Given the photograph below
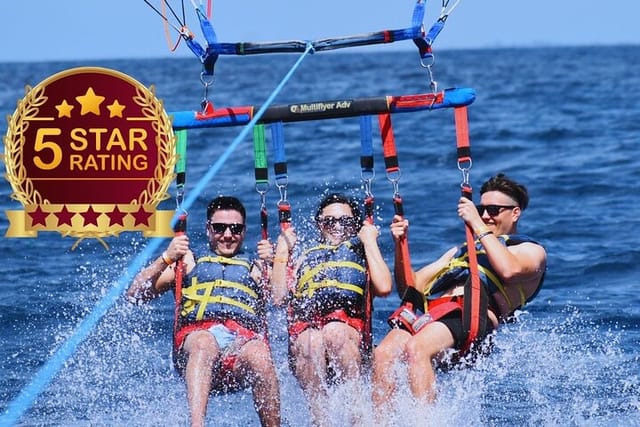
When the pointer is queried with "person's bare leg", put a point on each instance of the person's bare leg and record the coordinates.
(420, 351)
(255, 361)
(342, 344)
(202, 350)
(311, 371)
(386, 355)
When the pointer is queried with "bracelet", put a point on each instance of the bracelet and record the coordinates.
(166, 259)
(484, 234)
(481, 230)
(280, 259)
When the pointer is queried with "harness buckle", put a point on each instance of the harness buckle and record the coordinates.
(421, 322)
(403, 318)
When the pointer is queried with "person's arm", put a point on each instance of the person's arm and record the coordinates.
(261, 269)
(518, 264)
(280, 272)
(160, 276)
(378, 268)
(422, 277)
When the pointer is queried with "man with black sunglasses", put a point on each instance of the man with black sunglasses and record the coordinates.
(511, 270)
(220, 339)
(325, 287)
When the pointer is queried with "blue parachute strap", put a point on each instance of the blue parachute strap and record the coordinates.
(378, 37)
(367, 173)
(416, 31)
(208, 56)
(425, 42)
(280, 170)
(291, 46)
(366, 152)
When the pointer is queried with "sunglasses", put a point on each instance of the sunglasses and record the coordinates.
(493, 210)
(344, 221)
(221, 227)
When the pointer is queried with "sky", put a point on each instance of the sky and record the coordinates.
(44, 30)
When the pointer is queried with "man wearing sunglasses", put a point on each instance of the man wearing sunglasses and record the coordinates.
(511, 270)
(220, 343)
(325, 288)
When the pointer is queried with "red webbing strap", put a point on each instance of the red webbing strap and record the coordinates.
(180, 228)
(464, 157)
(388, 143)
(393, 174)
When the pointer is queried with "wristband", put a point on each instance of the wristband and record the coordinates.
(484, 234)
(166, 259)
(282, 260)
(481, 230)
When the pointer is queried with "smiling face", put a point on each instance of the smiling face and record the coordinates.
(223, 231)
(337, 223)
(506, 219)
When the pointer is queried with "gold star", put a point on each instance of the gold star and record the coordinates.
(64, 109)
(90, 102)
(115, 109)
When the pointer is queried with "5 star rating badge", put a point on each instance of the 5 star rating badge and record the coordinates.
(89, 152)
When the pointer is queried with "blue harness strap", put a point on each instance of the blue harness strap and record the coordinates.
(207, 56)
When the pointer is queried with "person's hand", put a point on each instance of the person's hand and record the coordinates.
(286, 241)
(265, 249)
(368, 233)
(469, 214)
(399, 228)
(178, 247)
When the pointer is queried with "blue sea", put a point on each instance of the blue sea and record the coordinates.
(564, 121)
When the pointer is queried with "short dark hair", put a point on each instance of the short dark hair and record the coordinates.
(338, 198)
(511, 188)
(226, 203)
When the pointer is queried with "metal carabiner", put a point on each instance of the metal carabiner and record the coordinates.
(367, 179)
(205, 83)
(465, 173)
(432, 83)
(282, 189)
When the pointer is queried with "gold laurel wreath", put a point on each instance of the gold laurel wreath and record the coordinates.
(22, 185)
(152, 108)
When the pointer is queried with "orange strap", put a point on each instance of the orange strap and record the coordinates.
(464, 155)
(180, 228)
(392, 166)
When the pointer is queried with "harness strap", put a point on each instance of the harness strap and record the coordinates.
(393, 174)
(297, 327)
(262, 185)
(179, 229)
(232, 325)
(464, 158)
(367, 174)
(425, 42)
(407, 319)
(280, 170)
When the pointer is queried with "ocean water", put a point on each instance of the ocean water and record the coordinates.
(564, 121)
